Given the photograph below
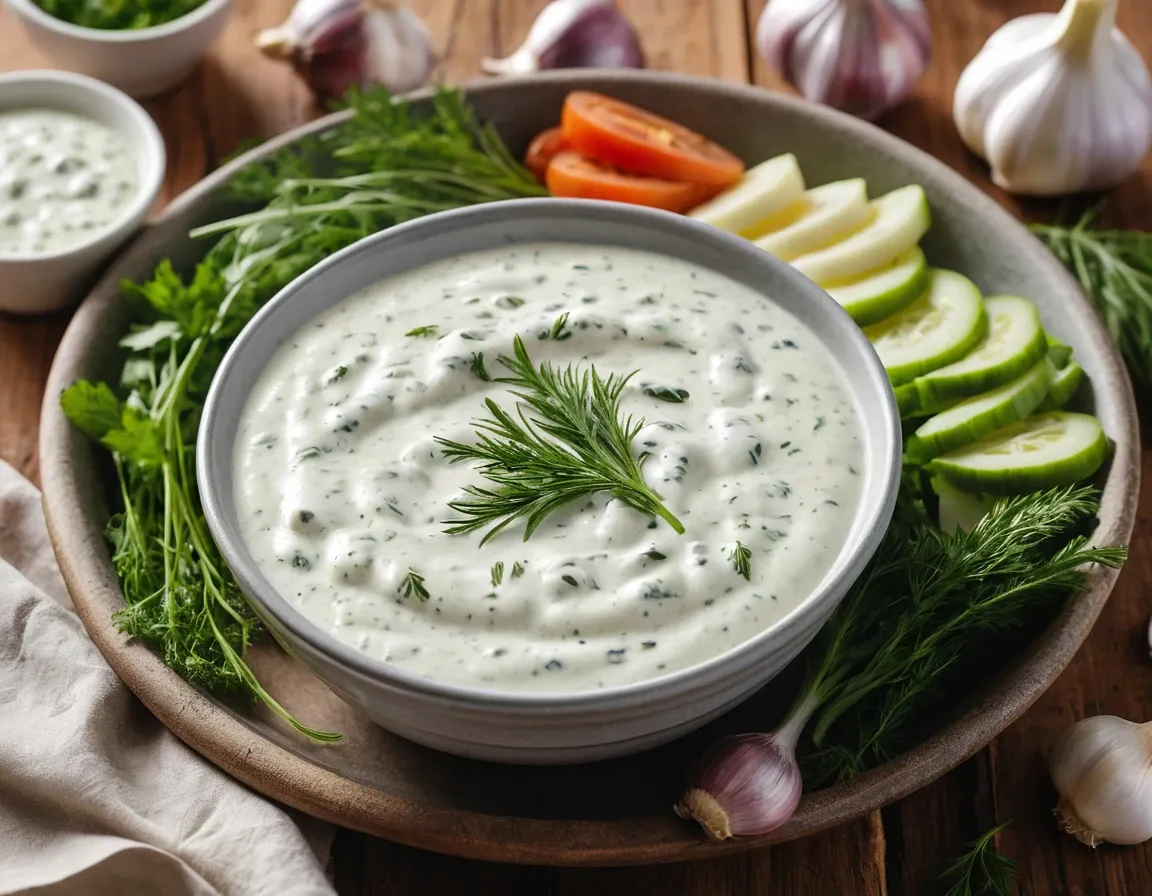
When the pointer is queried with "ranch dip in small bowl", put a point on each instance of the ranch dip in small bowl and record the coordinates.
(80, 165)
(346, 475)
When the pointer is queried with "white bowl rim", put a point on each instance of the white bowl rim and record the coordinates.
(46, 20)
(153, 150)
(868, 536)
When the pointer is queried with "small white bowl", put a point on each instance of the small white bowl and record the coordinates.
(142, 61)
(47, 282)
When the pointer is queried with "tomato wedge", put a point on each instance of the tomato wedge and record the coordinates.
(572, 176)
(542, 149)
(622, 135)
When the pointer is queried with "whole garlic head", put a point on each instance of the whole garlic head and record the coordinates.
(859, 56)
(1057, 103)
(1102, 769)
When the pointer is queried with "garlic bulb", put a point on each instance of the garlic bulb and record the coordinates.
(337, 44)
(1057, 102)
(1102, 769)
(574, 34)
(859, 56)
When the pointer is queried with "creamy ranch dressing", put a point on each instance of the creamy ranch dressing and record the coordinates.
(63, 178)
(341, 489)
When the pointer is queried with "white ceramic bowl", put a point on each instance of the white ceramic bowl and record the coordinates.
(142, 62)
(47, 282)
(531, 727)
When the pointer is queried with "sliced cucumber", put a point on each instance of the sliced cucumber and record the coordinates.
(938, 328)
(974, 418)
(1059, 353)
(1063, 387)
(901, 218)
(959, 509)
(907, 400)
(1014, 343)
(835, 211)
(876, 296)
(1041, 451)
(762, 193)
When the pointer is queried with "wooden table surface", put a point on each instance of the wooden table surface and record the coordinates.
(236, 94)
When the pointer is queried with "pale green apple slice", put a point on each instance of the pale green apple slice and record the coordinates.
(938, 328)
(901, 218)
(835, 212)
(880, 294)
(763, 193)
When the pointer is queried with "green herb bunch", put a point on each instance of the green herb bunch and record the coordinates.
(1114, 268)
(929, 608)
(385, 165)
(118, 15)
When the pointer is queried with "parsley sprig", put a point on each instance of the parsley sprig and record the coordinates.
(572, 442)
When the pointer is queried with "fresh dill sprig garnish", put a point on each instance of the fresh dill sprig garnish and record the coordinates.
(413, 584)
(1114, 268)
(497, 573)
(741, 558)
(981, 871)
(572, 442)
(427, 330)
(478, 367)
(929, 606)
(517, 570)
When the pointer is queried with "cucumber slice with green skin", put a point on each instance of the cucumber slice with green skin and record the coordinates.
(959, 509)
(907, 400)
(1042, 451)
(835, 212)
(901, 218)
(879, 295)
(980, 416)
(1014, 343)
(1059, 353)
(1063, 387)
(938, 328)
(762, 193)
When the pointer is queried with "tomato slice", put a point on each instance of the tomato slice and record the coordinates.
(573, 176)
(542, 149)
(622, 135)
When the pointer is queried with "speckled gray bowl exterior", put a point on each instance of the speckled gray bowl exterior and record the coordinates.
(614, 812)
(549, 728)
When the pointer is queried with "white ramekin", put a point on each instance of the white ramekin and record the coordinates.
(41, 283)
(141, 61)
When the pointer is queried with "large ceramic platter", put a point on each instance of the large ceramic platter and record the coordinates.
(616, 812)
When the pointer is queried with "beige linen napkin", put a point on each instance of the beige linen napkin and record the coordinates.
(96, 796)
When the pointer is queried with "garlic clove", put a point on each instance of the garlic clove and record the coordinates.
(860, 56)
(1057, 103)
(1102, 770)
(337, 44)
(746, 785)
(574, 34)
